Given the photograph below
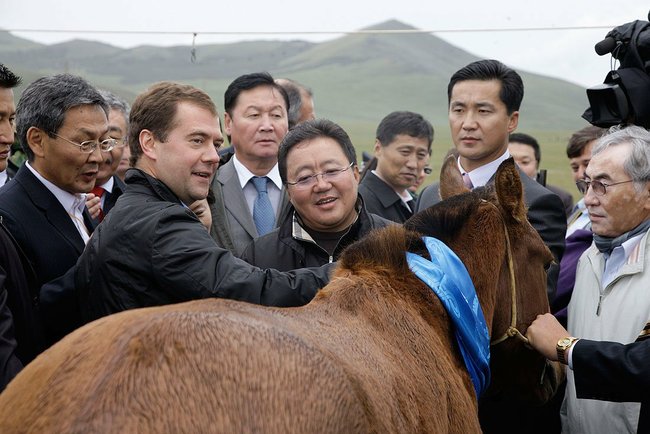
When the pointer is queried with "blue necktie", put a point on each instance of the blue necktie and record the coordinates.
(263, 214)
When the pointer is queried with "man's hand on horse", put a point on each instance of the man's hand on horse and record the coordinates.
(544, 333)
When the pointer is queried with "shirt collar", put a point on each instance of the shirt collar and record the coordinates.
(481, 175)
(70, 202)
(245, 175)
(108, 185)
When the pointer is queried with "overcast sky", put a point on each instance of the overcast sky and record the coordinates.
(567, 54)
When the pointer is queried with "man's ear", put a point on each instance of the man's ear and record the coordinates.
(513, 122)
(377, 147)
(227, 123)
(148, 144)
(36, 139)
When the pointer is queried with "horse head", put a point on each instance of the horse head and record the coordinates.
(487, 228)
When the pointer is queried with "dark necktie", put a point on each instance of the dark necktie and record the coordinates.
(410, 206)
(263, 214)
(99, 192)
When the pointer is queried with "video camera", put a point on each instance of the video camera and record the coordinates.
(624, 96)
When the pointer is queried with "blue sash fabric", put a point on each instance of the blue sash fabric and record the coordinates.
(447, 276)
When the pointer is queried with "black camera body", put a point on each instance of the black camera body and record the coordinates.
(624, 96)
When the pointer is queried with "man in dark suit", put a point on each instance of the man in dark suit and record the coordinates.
(255, 122)
(527, 153)
(108, 186)
(8, 80)
(402, 149)
(20, 328)
(62, 126)
(484, 100)
(607, 371)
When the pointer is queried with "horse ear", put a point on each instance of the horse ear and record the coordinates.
(451, 181)
(510, 191)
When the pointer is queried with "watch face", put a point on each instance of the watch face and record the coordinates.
(564, 342)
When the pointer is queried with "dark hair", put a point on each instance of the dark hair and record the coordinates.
(512, 87)
(368, 167)
(309, 130)
(247, 82)
(581, 138)
(46, 101)
(404, 122)
(526, 139)
(8, 79)
(155, 110)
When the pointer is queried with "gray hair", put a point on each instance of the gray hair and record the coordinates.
(637, 164)
(294, 92)
(45, 102)
(116, 103)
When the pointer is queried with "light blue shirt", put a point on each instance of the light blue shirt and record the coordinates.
(274, 188)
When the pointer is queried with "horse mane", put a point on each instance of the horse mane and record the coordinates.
(445, 218)
(382, 251)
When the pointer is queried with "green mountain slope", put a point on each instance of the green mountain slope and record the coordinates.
(357, 79)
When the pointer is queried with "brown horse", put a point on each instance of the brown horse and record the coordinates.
(373, 352)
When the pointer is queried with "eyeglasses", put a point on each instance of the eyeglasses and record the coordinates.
(599, 188)
(89, 146)
(305, 182)
(120, 143)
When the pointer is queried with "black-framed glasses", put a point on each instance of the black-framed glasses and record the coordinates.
(599, 188)
(308, 181)
(89, 146)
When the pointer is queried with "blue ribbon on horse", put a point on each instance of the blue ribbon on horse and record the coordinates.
(447, 276)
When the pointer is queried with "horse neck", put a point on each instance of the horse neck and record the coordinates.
(488, 284)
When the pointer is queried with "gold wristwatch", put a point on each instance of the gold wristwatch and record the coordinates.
(562, 347)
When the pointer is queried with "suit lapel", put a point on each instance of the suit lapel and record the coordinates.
(234, 200)
(51, 208)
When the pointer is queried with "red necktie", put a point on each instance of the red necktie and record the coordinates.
(99, 192)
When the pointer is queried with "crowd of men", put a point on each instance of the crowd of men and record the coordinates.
(264, 220)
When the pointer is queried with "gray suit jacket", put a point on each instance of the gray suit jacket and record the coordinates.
(233, 227)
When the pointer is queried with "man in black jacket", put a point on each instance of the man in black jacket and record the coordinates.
(318, 166)
(607, 371)
(402, 149)
(20, 329)
(151, 249)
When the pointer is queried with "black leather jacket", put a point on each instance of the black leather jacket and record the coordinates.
(152, 250)
(284, 249)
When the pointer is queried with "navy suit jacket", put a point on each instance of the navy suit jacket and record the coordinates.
(611, 371)
(49, 239)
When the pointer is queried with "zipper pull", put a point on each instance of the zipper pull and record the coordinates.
(600, 300)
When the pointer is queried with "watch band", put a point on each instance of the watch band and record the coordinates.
(562, 348)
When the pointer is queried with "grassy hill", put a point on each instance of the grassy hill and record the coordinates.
(357, 79)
